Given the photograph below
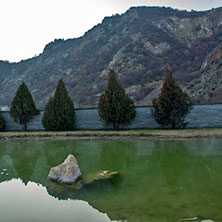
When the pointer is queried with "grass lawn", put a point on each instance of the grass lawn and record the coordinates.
(185, 133)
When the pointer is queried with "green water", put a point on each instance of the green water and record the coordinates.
(159, 181)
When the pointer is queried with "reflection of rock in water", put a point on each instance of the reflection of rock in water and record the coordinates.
(101, 181)
(94, 191)
(62, 191)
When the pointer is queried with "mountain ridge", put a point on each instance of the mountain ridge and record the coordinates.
(138, 45)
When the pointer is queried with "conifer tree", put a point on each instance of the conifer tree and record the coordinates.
(49, 116)
(23, 107)
(2, 122)
(172, 105)
(115, 107)
(59, 114)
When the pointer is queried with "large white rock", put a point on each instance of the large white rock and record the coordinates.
(67, 172)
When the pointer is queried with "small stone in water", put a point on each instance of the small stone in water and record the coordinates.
(103, 173)
(187, 219)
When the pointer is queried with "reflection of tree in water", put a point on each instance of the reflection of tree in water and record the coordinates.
(188, 181)
(118, 156)
(110, 196)
(57, 151)
(174, 160)
(1, 149)
(205, 173)
(7, 169)
(24, 157)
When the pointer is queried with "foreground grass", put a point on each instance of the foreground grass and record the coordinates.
(185, 133)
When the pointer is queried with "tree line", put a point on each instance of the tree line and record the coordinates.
(114, 107)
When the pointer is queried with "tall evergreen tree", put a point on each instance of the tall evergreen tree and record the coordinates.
(2, 122)
(59, 114)
(49, 116)
(115, 107)
(172, 105)
(23, 107)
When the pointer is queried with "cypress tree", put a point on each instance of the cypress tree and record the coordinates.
(172, 105)
(2, 122)
(23, 107)
(115, 107)
(59, 114)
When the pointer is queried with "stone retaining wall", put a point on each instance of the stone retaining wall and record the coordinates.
(200, 116)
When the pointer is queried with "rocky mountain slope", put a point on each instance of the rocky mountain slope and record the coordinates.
(138, 45)
(206, 84)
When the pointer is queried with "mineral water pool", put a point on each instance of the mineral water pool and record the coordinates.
(159, 181)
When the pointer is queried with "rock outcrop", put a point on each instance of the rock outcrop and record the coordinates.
(206, 86)
(68, 172)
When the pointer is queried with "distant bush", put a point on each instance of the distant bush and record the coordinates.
(2, 122)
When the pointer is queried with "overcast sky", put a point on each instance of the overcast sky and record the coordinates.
(28, 25)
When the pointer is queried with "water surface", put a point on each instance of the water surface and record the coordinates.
(160, 180)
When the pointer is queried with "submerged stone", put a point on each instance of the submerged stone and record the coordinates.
(68, 172)
(99, 176)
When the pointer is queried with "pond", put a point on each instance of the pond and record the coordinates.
(159, 180)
